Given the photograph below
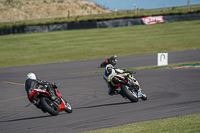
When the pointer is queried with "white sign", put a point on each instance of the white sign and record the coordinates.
(153, 20)
(162, 59)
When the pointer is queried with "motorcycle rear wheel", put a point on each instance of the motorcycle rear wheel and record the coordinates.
(127, 93)
(49, 106)
(103, 64)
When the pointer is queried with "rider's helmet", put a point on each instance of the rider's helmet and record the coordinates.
(115, 60)
(109, 69)
(31, 76)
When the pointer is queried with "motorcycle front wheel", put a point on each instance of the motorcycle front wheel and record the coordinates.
(129, 94)
(144, 97)
(49, 106)
(68, 108)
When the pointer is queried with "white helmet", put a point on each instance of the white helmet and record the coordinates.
(109, 69)
(31, 76)
(109, 66)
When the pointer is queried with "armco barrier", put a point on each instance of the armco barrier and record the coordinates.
(100, 23)
(1, 31)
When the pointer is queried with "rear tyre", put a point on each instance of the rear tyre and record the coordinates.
(49, 106)
(103, 64)
(127, 93)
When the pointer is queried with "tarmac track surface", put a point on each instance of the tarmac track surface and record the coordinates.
(170, 92)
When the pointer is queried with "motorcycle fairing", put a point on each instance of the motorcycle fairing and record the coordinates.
(106, 60)
(34, 91)
(57, 93)
(62, 105)
(120, 79)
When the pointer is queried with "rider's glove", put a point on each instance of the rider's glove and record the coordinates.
(130, 72)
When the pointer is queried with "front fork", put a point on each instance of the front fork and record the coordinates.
(134, 85)
(137, 89)
(140, 92)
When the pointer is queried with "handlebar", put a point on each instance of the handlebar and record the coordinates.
(131, 72)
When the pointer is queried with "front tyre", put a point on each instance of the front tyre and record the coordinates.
(49, 106)
(144, 97)
(68, 108)
(129, 94)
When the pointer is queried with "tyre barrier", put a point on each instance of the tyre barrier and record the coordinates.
(13, 30)
(1, 31)
(99, 23)
(82, 25)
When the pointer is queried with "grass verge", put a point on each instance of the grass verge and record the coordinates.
(179, 124)
(35, 48)
(147, 67)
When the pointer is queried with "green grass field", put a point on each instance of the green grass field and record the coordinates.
(34, 48)
(181, 124)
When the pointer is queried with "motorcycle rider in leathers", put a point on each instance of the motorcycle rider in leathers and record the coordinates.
(110, 73)
(34, 83)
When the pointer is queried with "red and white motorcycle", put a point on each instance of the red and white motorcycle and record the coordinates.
(42, 100)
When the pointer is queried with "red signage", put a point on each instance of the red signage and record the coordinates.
(153, 20)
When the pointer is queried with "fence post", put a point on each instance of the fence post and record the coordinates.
(188, 5)
(68, 14)
(13, 18)
(115, 10)
(34, 17)
(138, 9)
(90, 12)
(52, 12)
(135, 9)
(163, 7)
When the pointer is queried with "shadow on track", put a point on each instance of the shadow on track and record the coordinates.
(22, 119)
(96, 106)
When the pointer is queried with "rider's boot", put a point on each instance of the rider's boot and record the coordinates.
(112, 91)
(120, 92)
(34, 102)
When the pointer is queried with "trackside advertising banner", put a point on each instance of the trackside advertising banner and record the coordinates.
(152, 20)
